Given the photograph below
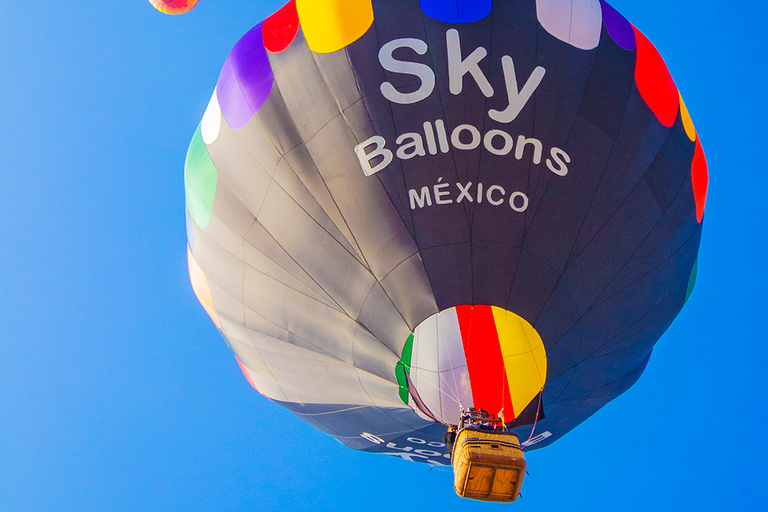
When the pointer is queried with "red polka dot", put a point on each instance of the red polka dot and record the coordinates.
(700, 179)
(281, 28)
(654, 81)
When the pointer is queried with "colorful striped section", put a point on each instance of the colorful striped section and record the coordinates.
(245, 80)
(654, 81)
(281, 28)
(200, 181)
(482, 350)
(456, 11)
(330, 25)
(473, 356)
(525, 359)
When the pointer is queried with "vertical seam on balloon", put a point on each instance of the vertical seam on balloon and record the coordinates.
(470, 221)
(640, 180)
(319, 289)
(275, 84)
(598, 300)
(340, 113)
(273, 278)
(533, 216)
(269, 370)
(411, 228)
(357, 374)
(318, 350)
(590, 391)
(402, 173)
(571, 257)
(376, 282)
(455, 389)
(526, 222)
(272, 180)
(596, 303)
(256, 221)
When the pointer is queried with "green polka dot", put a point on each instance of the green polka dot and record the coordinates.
(200, 180)
(403, 366)
(692, 280)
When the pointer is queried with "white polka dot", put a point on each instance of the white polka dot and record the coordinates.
(211, 123)
(577, 22)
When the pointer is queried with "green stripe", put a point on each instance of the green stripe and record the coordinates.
(200, 180)
(692, 280)
(403, 366)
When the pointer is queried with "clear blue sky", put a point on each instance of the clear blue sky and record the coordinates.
(117, 392)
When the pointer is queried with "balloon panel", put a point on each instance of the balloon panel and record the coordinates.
(424, 205)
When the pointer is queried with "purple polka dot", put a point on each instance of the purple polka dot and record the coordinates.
(245, 80)
(618, 27)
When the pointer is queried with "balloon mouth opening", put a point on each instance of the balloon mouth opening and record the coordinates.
(479, 356)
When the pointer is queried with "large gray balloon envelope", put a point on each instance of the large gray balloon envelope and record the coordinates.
(399, 209)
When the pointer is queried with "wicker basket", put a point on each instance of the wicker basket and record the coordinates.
(488, 466)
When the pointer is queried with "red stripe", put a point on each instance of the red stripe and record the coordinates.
(490, 389)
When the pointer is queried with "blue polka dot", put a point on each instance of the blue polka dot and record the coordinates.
(456, 11)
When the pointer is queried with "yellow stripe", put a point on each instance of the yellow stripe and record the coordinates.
(330, 25)
(201, 288)
(687, 121)
(525, 359)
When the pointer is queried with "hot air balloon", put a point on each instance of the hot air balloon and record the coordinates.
(174, 6)
(401, 211)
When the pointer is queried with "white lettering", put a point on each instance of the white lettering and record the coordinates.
(491, 190)
(507, 141)
(457, 67)
(561, 158)
(522, 142)
(442, 136)
(422, 71)
(512, 201)
(420, 199)
(416, 145)
(429, 133)
(372, 438)
(393, 446)
(428, 453)
(464, 192)
(517, 97)
(365, 158)
(439, 193)
(456, 137)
